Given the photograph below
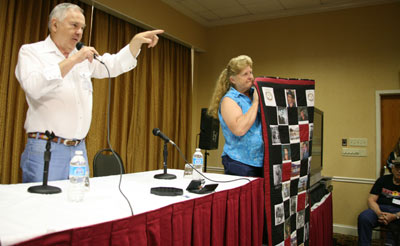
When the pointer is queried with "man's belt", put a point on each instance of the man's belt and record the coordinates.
(60, 140)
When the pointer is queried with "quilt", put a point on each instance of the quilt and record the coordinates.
(287, 112)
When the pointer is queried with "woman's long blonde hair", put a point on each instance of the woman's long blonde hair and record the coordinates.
(234, 67)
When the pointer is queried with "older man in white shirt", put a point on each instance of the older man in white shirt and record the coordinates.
(56, 78)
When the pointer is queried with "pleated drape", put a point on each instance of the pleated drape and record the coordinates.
(157, 93)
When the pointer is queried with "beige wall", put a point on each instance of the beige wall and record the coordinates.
(350, 54)
(158, 15)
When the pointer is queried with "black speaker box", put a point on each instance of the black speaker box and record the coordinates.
(209, 131)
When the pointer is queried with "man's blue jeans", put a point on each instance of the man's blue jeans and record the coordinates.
(32, 160)
(368, 220)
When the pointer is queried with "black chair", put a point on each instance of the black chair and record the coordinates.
(105, 163)
(392, 228)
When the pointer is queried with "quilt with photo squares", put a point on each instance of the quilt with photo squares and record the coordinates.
(287, 112)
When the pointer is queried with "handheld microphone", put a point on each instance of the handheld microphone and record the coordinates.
(158, 133)
(80, 45)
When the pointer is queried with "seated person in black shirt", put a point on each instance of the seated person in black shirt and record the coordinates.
(383, 206)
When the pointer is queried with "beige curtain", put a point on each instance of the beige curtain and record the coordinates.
(157, 93)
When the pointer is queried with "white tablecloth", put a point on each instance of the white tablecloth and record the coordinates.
(25, 215)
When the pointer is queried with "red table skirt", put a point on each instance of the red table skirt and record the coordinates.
(321, 228)
(230, 217)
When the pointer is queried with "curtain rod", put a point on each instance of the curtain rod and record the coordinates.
(118, 14)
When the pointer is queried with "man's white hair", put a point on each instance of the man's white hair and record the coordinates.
(60, 11)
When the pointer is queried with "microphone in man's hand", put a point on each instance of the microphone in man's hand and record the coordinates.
(158, 133)
(80, 45)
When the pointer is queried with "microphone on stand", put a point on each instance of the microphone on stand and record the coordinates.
(44, 188)
(164, 175)
(159, 133)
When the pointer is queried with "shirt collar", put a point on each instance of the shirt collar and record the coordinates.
(50, 46)
(236, 93)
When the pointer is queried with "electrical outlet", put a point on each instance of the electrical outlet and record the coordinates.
(354, 152)
(362, 142)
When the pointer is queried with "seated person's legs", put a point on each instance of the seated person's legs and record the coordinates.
(367, 220)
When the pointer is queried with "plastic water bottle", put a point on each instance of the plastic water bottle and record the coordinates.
(188, 171)
(77, 174)
(198, 164)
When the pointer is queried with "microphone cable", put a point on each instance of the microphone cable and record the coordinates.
(108, 137)
(216, 181)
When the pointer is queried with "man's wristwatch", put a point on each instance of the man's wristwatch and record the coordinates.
(397, 215)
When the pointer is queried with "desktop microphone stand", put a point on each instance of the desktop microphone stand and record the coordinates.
(205, 161)
(165, 175)
(44, 188)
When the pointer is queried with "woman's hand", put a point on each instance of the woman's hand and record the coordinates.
(255, 96)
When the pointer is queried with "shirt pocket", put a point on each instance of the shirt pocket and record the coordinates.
(86, 81)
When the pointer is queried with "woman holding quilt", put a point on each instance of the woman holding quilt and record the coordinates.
(235, 103)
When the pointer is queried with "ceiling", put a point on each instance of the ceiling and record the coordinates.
(224, 12)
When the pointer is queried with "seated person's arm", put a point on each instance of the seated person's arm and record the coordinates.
(372, 204)
(383, 217)
(389, 217)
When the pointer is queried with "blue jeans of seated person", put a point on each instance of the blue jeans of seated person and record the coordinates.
(368, 220)
(237, 168)
(32, 160)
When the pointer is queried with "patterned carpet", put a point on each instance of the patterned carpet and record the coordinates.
(348, 240)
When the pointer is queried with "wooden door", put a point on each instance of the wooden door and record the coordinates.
(390, 124)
